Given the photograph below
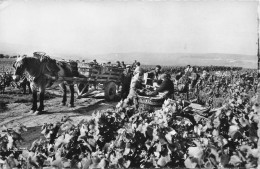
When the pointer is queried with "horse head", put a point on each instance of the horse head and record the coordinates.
(20, 66)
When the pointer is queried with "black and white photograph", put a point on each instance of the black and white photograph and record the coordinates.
(90, 84)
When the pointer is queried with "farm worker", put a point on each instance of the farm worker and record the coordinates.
(157, 74)
(123, 64)
(95, 62)
(167, 87)
(118, 64)
(134, 64)
(108, 63)
(194, 77)
(136, 84)
(138, 69)
(188, 69)
(204, 74)
(126, 81)
(178, 75)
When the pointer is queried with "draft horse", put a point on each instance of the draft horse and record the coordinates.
(43, 73)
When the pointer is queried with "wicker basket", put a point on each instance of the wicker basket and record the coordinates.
(150, 103)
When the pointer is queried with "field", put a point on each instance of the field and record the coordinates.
(6, 65)
(15, 107)
(100, 134)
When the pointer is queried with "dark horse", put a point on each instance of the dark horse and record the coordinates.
(43, 73)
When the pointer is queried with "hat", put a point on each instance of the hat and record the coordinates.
(128, 66)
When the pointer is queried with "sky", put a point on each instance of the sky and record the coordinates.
(80, 28)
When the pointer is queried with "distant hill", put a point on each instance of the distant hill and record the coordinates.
(182, 59)
(170, 59)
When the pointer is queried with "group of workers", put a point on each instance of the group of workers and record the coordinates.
(133, 84)
(162, 85)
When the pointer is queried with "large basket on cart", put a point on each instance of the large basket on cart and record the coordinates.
(150, 103)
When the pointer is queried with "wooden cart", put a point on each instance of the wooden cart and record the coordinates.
(96, 77)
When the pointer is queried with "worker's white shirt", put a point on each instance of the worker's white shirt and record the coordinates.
(188, 70)
(138, 69)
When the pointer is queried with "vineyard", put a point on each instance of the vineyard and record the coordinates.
(148, 84)
(6, 65)
(215, 128)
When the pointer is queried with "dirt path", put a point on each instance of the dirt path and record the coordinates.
(17, 113)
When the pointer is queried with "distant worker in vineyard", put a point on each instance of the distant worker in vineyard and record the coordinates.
(95, 62)
(126, 81)
(167, 87)
(195, 76)
(205, 75)
(188, 70)
(108, 64)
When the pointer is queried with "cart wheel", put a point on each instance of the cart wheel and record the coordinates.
(110, 91)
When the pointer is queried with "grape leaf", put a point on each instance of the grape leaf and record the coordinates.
(189, 163)
(235, 160)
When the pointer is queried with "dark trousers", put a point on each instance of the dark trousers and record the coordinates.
(125, 91)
